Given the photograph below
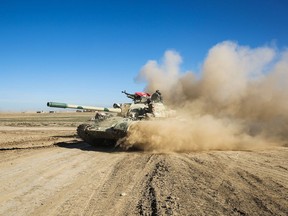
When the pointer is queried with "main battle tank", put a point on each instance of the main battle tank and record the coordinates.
(112, 124)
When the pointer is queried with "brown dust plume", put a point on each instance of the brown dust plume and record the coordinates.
(237, 101)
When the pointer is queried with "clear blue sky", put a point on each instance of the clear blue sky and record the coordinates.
(86, 52)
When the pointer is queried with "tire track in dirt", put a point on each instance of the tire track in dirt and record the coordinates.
(121, 190)
(227, 183)
(156, 198)
(211, 184)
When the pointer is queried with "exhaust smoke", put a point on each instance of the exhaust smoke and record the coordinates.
(238, 101)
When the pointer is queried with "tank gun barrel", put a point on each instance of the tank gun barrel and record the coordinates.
(72, 106)
(131, 96)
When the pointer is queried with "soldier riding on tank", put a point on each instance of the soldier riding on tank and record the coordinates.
(156, 97)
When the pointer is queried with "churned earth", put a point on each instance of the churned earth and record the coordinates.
(47, 170)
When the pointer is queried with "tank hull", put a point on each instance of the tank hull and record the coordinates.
(102, 134)
(95, 138)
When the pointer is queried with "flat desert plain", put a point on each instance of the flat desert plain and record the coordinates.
(47, 170)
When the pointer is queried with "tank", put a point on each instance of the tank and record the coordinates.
(112, 124)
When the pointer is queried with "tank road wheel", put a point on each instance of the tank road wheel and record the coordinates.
(88, 138)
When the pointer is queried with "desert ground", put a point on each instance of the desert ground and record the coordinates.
(47, 170)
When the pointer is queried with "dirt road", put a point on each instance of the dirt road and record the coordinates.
(51, 172)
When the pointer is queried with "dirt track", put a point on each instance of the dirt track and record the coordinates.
(48, 171)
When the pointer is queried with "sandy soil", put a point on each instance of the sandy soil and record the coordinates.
(47, 170)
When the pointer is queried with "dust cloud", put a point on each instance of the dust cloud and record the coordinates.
(238, 101)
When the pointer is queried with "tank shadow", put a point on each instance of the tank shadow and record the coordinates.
(75, 144)
(64, 136)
